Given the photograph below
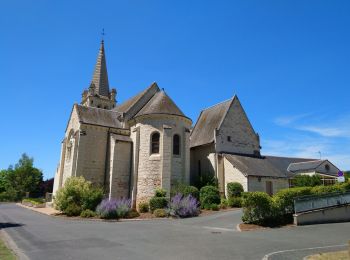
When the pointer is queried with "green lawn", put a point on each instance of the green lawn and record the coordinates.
(5, 253)
(340, 255)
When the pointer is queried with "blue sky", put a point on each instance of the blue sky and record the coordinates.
(288, 61)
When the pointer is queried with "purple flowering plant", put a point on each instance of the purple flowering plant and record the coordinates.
(113, 208)
(184, 206)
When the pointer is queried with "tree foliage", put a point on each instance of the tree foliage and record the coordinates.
(21, 178)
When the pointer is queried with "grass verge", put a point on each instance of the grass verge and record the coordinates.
(6, 253)
(340, 255)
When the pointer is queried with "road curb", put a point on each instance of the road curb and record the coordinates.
(12, 245)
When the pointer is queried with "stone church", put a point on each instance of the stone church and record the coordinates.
(147, 142)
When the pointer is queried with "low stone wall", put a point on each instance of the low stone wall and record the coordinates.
(335, 214)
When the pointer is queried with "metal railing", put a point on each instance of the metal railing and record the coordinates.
(314, 202)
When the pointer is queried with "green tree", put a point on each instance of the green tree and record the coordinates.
(3, 181)
(24, 177)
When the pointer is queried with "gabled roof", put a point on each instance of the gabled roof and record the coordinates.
(265, 166)
(209, 120)
(305, 166)
(98, 116)
(100, 77)
(128, 104)
(160, 103)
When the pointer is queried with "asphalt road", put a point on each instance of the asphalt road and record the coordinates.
(210, 237)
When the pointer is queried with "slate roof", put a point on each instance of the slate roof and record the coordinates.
(128, 104)
(265, 166)
(160, 103)
(305, 166)
(100, 77)
(98, 116)
(209, 120)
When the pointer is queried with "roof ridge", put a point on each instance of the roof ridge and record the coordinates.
(220, 103)
(320, 160)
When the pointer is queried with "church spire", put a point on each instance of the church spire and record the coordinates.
(100, 77)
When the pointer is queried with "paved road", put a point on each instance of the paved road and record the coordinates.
(209, 237)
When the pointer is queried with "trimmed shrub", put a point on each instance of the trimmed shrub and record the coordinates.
(160, 213)
(158, 203)
(185, 190)
(306, 180)
(34, 201)
(214, 207)
(91, 198)
(143, 207)
(80, 192)
(183, 206)
(73, 210)
(209, 195)
(257, 208)
(318, 190)
(235, 202)
(234, 189)
(284, 199)
(132, 214)
(223, 203)
(88, 213)
(160, 193)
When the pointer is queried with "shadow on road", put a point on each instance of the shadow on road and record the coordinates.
(9, 225)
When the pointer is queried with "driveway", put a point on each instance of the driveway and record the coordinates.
(210, 237)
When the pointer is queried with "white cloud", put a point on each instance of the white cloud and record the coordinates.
(287, 120)
(326, 131)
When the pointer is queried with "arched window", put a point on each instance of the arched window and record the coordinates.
(176, 145)
(155, 142)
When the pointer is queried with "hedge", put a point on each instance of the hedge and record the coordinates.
(259, 208)
(234, 189)
(209, 195)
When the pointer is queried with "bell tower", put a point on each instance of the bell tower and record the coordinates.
(98, 94)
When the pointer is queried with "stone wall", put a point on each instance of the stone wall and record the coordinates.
(238, 129)
(202, 162)
(119, 166)
(163, 169)
(92, 152)
(232, 174)
(254, 184)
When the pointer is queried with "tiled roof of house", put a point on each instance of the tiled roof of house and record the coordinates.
(305, 166)
(98, 116)
(265, 166)
(209, 120)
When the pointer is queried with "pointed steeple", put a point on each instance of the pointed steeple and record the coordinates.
(100, 77)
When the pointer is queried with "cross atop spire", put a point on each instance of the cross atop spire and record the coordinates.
(100, 77)
(103, 35)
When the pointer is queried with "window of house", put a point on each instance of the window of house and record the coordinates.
(176, 145)
(105, 107)
(155, 143)
(229, 138)
(327, 167)
(98, 106)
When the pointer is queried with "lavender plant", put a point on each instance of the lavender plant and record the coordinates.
(114, 208)
(183, 206)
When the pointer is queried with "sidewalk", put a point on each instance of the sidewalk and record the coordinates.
(46, 211)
